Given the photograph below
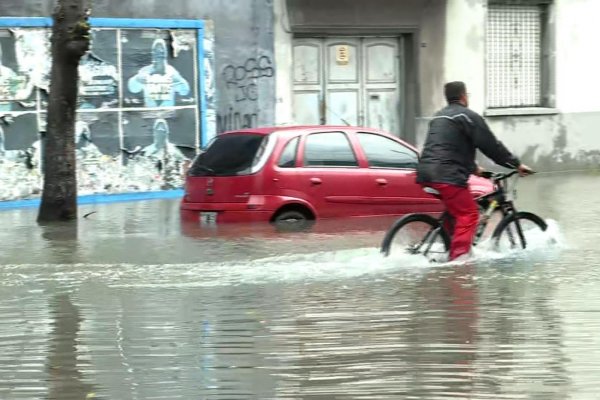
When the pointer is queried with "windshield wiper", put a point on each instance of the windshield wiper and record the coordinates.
(205, 169)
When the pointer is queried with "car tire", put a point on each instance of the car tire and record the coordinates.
(291, 221)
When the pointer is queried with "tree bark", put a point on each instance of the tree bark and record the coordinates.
(70, 41)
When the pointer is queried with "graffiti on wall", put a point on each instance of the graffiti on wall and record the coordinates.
(242, 84)
(242, 80)
(138, 110)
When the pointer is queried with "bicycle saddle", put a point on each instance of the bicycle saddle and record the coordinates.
(431, 191)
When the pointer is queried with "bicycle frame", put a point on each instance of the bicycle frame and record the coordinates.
(497, 200)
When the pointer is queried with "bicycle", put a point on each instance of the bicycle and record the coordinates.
(433, 238)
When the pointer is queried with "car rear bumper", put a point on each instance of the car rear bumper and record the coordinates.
(256, 209)
(221, 216)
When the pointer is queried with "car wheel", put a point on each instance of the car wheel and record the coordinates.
(291, 221)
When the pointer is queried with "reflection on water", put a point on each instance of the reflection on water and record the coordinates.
(64, 373)
(128, 304)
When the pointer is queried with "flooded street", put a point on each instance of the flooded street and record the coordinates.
(132, 305)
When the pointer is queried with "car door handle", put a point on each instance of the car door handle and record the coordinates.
(316, 181)
(381, 181)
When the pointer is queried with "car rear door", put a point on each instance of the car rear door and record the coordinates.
(392, 173)
(330, 175)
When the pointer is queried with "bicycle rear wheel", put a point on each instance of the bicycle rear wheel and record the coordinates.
(518, 231)
(416, 234)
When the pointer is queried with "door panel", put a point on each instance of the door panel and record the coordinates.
(307, 65)
(400, 194)
(379, 104)
(343, 61)
(308, 82)
(392, 187)
(328, 163)
(328, 190)
(306, 104)
(342, 107)
(382, 78)
(381, 61)
(343, 89)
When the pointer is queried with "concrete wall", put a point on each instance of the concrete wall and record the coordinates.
(243, 47)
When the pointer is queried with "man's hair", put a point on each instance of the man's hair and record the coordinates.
(454, 90)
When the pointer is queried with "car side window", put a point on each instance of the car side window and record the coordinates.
(288, 155)
(329, 149)
(382, 152)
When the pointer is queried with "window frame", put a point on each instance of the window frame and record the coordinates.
(348, 140)
(546, 100)
(296, 151)
(366, 157)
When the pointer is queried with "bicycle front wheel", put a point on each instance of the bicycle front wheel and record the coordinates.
(518, 231)
(416, 234)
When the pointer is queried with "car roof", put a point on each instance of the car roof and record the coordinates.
(267, 130)
(296, 129)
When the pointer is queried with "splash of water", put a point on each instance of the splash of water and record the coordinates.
(318, 266)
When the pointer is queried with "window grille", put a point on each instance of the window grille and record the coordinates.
(514, 55)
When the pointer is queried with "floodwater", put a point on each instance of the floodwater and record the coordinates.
(130, 304)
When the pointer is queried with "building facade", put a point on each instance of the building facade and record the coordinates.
(529, 66)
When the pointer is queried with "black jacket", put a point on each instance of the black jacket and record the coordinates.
(448, 156)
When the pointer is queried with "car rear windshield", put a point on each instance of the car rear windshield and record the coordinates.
(228, 155)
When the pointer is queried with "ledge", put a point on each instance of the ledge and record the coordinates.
(499, 112)
(99, 198)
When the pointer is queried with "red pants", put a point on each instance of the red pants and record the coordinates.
(461, 206)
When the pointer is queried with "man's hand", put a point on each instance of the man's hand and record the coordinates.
(480, 171)
(524, 170)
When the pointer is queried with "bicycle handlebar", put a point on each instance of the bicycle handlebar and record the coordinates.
(499, 176)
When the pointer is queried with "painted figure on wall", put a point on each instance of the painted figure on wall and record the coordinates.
(98, 78)
(85, 149)
(161, 147)
(159, 81)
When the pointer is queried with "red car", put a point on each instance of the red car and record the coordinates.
(304, 173)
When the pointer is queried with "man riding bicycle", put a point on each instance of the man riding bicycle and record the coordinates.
(448, 159)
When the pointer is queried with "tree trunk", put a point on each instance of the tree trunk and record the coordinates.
(70, 41)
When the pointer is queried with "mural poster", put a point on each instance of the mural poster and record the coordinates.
(138, 118)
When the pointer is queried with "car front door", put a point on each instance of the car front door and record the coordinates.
(331, 176)
(392, 170)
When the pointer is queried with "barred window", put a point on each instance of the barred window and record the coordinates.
(514, 54)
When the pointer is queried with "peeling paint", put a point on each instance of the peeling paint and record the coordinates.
(96, 175)
(32, 50)
(182, 40)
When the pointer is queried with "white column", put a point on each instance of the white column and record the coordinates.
(577, 58)
(465, 47)
(283, 64)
